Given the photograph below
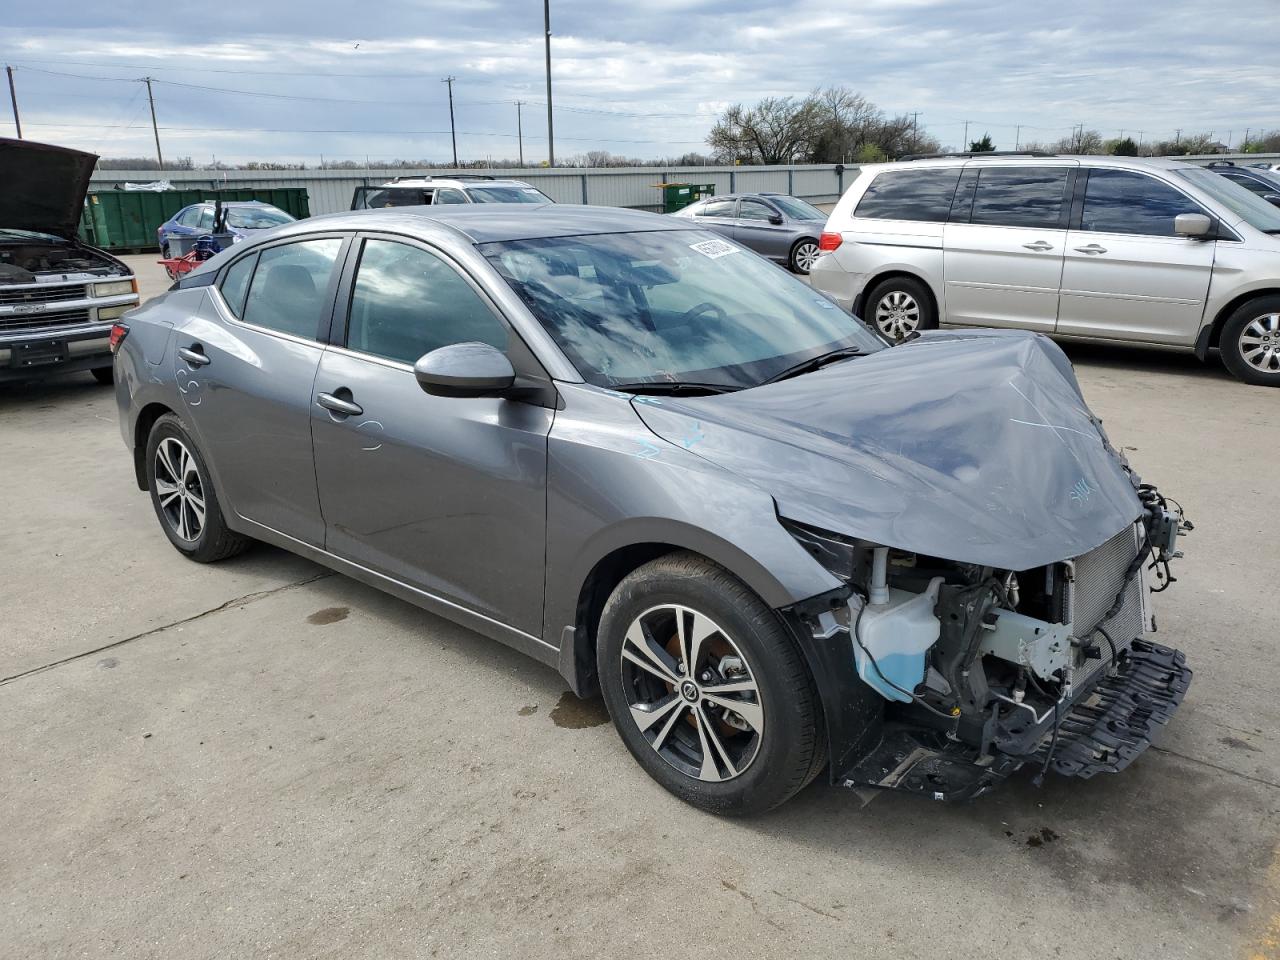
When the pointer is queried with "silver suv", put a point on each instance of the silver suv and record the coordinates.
(1106, 249)
(459, 188)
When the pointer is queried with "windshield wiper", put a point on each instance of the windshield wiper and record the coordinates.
(673, 386)
(814, 363)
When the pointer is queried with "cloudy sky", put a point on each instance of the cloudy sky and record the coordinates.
(295, 80)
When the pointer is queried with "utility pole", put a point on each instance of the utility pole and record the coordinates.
(915, 130)
(1177, 137)
(520, 130)
(551, 137)
(154, 129)
(965, 139)
(1245, 141)
(1017, 136)
(13, 98)
(453, 133)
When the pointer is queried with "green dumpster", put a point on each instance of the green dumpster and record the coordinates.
(127, 219)
(678, 195)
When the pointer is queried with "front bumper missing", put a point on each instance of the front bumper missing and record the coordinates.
(1102, 731)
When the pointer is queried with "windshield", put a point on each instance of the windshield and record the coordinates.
(686, 305)
(797, 209)
(256, 218)
(1258, 213)
(507, 195)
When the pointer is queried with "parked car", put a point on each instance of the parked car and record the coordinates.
(774, 225)
(58, 296)
(461, 188)
(627, 447)
(244, 218)
(1265, 166)
(1264, 182)
(1106, 249)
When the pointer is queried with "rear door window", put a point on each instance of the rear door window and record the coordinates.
(1020, 196)
(923, 195)
(1121, 201)
(718, 208)
(235, 283)
(206, 219)
(755, 210)
(290, 287)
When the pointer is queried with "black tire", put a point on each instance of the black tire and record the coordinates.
(789, 750)
(214, 540)
(905, 316)
(803, 252)
(104, 375)
(164, 250)
(1253, 327)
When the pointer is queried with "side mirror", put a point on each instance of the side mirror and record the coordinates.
(1272, 198)
(465, 370)
(1195, 226)
(776, 220)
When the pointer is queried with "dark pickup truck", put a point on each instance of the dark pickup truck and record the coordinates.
(58, 296)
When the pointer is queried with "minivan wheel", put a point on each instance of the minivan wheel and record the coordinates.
(803, 256)
(1250, 342)
(183, 497)
(707, 689)
(899, 307)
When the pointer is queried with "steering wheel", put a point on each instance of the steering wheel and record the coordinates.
(706, 306)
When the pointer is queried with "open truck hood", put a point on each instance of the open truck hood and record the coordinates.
(42, 187)
(972, 446)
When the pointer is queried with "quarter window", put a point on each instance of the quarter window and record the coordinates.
(1120, 201)
(206, 219)
(450, 195)
(288, 292)
(235, 283)
(1020, 196)
(754, 210)
(407, 302)
(923, 195)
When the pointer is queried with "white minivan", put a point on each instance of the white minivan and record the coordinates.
(1105, 249)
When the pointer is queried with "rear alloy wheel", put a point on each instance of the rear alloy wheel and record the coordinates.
(1250, 342)
(899, 307)
(707, 689)
(803, 256)
(183, 498)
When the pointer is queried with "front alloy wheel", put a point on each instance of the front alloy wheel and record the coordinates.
(707, 688)
(691, 693)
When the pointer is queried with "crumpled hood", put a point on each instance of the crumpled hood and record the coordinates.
(974, 446)
(42, 187)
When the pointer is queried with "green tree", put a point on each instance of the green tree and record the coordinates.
(1123, 148)
(982, 146)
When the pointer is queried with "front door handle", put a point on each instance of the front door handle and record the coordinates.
(194, 355)
(1091, 248)
(348, 408)
(1038, 245)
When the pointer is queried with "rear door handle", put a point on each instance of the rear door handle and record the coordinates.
(1039, 245)
(194, 355)
(347, 408)
(1091, 248)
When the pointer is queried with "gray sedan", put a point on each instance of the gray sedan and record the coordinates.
(673, 473)
(774, 225)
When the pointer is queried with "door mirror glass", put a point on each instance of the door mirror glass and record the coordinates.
(465, 370)
(1192, 225)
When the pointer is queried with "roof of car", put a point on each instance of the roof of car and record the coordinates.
(1093, 160)
(459, 182)
(493, 222)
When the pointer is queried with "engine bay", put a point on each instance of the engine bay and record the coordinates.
(28, 259)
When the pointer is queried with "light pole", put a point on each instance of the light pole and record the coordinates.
(551, 137)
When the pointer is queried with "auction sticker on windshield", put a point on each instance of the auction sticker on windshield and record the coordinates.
(715, 249)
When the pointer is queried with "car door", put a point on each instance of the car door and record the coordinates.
(718, 215)
(1127, 275)
(447, 495)
(1003, 246)
(245, 366)
(754, 228)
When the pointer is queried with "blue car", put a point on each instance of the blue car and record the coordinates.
(244, 219)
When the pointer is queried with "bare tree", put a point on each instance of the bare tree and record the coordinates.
(776, 130)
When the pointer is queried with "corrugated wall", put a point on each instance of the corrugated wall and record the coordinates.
(331, 190)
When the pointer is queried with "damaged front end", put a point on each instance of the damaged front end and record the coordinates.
(968, 672)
